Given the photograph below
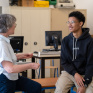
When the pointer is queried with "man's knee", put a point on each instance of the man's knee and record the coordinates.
(61, 90)
(89, 90)
(58, 90)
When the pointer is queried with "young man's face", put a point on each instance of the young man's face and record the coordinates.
(74, 24)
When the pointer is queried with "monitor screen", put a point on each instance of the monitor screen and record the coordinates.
(53, 38)
(17, 43)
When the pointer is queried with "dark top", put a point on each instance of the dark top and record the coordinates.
(77, 55)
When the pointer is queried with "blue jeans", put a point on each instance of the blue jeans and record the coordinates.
(22, 84)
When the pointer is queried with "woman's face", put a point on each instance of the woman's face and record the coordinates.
(12, 29)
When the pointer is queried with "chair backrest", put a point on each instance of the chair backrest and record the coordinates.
(72, 91)
(92, 36)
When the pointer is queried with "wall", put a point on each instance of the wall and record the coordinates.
(5, 6)
(86, 4)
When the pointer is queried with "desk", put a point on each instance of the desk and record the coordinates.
(43, 58)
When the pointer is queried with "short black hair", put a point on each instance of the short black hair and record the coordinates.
(78, 15)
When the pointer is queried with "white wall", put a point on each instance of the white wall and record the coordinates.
(86, 4)
(5, 6)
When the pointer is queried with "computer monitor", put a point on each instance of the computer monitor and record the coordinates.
(53, 38)
(17, 43)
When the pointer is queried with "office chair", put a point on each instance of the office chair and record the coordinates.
(47, 67)
(72, 91)
(92, 36)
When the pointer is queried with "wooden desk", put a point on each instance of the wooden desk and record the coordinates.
(46, 82)
(43, 58)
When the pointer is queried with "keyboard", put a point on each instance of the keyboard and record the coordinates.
(49, 53)
(22, 62)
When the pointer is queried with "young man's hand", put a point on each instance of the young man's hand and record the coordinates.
(79, 80)
(81, 90)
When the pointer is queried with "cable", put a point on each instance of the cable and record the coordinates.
(36, 70)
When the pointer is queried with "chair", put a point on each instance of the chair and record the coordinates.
(72, 91)
(92, 36)
(21, 91)
(47, 83)
(47, 67)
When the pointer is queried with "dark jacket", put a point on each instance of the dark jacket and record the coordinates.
(77, 55)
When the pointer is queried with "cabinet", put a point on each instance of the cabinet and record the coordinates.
(17, 13)
(32, 24)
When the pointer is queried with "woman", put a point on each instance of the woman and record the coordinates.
(10, 81)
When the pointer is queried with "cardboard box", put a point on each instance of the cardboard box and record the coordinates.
(26, 3)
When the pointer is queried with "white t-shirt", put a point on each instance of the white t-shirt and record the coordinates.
(7, 54)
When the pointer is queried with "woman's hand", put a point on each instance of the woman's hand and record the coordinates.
(24, 55)
(27, 55)
(79, 80)
(35, 65)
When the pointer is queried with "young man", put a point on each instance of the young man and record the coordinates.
(77, 57)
